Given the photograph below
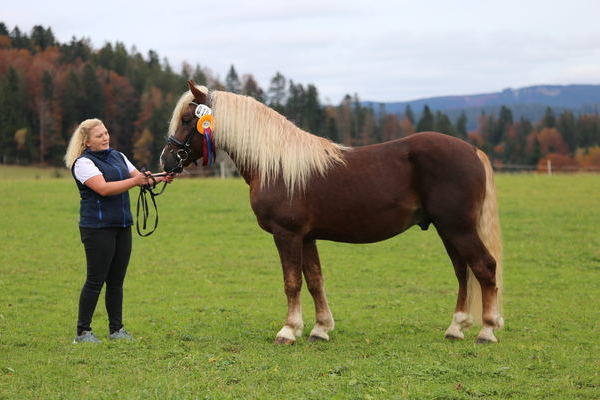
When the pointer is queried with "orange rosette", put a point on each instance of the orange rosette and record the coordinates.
(205, 122)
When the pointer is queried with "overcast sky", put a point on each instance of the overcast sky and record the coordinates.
(382, 50)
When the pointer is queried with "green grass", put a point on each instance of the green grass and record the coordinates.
(12, 172)
(204, 298)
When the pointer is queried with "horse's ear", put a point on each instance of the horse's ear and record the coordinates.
(198, 95)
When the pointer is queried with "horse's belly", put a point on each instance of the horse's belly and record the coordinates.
(365, 227)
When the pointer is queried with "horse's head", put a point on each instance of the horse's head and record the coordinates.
(184, 144)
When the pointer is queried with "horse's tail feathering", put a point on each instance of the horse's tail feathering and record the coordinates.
(488, 228)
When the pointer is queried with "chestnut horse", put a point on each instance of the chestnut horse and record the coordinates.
(304, 188)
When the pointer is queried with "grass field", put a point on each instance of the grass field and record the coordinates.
(204, 298)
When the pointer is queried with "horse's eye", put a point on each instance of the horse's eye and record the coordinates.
(186, 120)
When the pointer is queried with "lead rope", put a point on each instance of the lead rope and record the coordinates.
(142, 203)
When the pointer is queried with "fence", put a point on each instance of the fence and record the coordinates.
(547, 168)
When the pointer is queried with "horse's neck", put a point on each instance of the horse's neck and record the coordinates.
(248, 174)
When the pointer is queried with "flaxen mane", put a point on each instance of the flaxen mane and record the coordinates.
(259, 138)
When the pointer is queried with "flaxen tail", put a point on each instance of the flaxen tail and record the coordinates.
(489, 233)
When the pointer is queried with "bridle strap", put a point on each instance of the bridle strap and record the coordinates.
(142, 204)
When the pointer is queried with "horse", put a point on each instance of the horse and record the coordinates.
(305, 188)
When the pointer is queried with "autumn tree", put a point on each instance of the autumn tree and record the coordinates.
(142, 149)
(391, 128)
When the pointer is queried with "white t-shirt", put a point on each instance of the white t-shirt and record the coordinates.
(86, 169)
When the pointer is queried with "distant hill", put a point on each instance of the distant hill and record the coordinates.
(529, 102)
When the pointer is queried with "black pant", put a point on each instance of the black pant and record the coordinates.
(107, 251)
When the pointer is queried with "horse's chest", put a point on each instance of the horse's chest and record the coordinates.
(275, 211)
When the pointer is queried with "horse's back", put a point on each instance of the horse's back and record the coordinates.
(380, 191)
(386, 188)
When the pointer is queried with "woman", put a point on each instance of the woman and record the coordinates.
(103, 176)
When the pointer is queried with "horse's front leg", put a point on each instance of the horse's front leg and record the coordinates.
(311, 267)
(289, 246)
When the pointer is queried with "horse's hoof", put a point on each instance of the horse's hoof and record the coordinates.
(314, 338)
(282, 340)
(454, 333)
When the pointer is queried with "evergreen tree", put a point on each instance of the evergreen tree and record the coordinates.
(120, 59)
(276, 94)
(331, 131)
(345, 121)
(426, 121)
(199, 76)
(45, 116)
(461, 126)
(358, 120)
(232, 81)
(19, 40)
(536, 154)
(498, 127)
(3, 29)
(443, 124)
(524, 129)
(92, 97)
(69, 104)
(76, 50)
(42, 38)
(251, 88)
(549, 120)
(105, 57)
(588, 131)
(409, 114)
(153, 60)
(295, 103)
(566, 127)
(313, 112)
(13, 103)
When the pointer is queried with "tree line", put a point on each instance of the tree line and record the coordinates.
(48, 87)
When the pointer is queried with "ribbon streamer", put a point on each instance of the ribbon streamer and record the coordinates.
(204, 127)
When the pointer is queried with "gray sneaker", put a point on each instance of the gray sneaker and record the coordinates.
(87, 337)
(121, 334)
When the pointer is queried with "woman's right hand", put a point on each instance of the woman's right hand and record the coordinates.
(140, 179)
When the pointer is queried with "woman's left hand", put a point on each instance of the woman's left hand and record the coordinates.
(168, 178)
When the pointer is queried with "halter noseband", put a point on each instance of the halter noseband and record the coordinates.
(183, 150)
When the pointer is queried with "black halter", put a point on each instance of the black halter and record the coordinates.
(182, 150)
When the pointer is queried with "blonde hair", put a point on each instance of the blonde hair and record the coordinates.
(263, 140)
(77, 143)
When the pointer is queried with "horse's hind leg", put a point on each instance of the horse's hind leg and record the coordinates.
(289, 246)
(461, 319)
(314, 280)
(470, 250)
